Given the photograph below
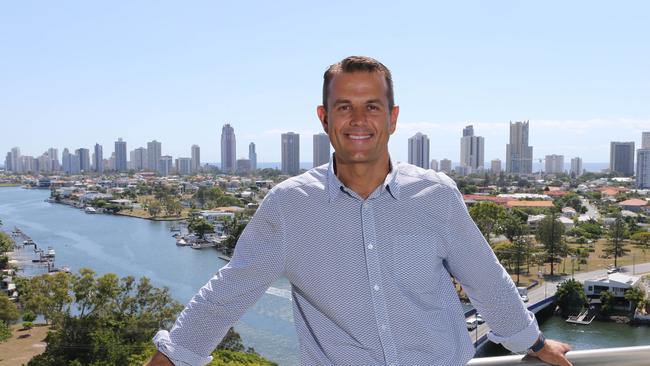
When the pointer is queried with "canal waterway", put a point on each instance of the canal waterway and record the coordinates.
(136, 247)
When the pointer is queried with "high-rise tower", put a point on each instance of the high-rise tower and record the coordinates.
(154, 153)
(290, 153)
(419, 150)
(621, 158)
(321, 149)
(519, 156)
(196, 158)
(252, 156)
(120, 155)
(228, 149)
(98, 158)
(472, 149)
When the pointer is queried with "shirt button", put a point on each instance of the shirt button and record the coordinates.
(383, 327)
(370, 246)
(376, 287)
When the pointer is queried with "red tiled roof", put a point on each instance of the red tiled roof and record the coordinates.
(529, 204)
(633, 202)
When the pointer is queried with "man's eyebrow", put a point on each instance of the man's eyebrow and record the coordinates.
(376, 101)
(341, 101)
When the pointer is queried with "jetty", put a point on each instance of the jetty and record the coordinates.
(584, 318)
(45, 256)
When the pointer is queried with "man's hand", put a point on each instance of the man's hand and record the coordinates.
(554, 353)
(159, 359)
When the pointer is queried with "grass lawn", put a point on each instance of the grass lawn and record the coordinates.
(23, 345)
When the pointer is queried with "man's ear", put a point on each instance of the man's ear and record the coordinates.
(322, 116)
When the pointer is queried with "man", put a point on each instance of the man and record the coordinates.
(368, 247)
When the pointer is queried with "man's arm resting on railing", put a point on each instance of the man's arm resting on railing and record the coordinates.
(159, 359)
(553, 353)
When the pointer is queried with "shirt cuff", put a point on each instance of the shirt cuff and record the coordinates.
(178, 355)
(521, 341)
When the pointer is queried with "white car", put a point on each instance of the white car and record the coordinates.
(471, 324)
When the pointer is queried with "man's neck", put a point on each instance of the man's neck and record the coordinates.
(362, 178)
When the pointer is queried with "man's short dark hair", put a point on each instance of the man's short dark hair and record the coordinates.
(355, 64)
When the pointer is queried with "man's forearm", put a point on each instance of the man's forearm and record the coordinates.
(159, 359)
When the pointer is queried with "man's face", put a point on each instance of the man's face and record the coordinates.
(357, 118)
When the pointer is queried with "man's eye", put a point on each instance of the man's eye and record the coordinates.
(372, 107)
(344, 108)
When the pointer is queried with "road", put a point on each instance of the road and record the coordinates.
(591, 210)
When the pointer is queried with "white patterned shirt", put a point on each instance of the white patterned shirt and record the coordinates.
(370, 278)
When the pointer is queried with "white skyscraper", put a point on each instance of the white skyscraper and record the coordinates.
(495, 166)
(471, 150)
(15, 160)
(196, 158)
(621, 158)
(554, 164)
(184, 166)
(643, 168)
(98, 159)
(576, 167)
(645, 140)
(53, 153)
(165, 165)
(228, 149)
(445, 165)
(120, 155)
(519, 156)
(154, 153)
(419, 150)
(139, 159)
(290, 153)
(252, 156)
(321, 149)
(434, 164)
(66, 161)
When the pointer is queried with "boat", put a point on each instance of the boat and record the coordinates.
(50, 253)
(582, 318)
(476, 318)
(203, 244)
(181, 242)
(90, 210)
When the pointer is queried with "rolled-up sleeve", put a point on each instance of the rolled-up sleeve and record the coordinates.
(258, 260)
(489, 287)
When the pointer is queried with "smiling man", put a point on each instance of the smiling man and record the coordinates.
(368, 247)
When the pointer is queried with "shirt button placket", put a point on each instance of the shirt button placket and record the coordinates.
(374, 276)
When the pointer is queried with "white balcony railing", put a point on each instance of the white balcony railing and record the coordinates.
(623, 356)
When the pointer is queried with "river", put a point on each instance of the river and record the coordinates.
(136, 247)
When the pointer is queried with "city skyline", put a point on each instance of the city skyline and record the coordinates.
(581, 85)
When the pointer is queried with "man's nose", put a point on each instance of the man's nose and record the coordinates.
(358, 116)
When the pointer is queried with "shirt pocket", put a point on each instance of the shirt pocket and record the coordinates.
(418, 269)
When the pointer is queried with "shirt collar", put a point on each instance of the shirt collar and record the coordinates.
(335, 187)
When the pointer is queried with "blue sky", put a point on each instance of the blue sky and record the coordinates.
(73, 73)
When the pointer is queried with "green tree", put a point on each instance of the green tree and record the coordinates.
(8, 311)
(606, 303)
(634, 295)
(154, 208)
(6, 243)
(487, 216)
(570, 297)
(550, 233)
(616, 246)
(200, 226)
(234, 228)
